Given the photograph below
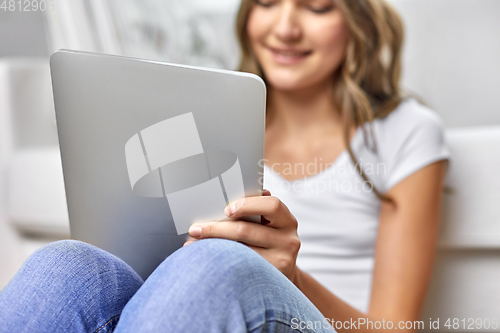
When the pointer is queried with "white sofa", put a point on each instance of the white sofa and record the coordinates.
(466, 281)
(32, 198)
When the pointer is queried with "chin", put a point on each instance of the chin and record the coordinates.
(294, 79)
(285, 82)
(285, 87)
(288, 84)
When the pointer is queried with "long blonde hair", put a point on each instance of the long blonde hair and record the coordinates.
(367, 85)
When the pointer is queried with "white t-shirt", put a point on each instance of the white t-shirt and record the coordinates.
(337, 213)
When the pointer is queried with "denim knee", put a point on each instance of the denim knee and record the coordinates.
(75, 263)
(224, 260)
(68, 284)
(218, 285)
(59, 258)
(69, 257)
(63, 252)
(248, 284)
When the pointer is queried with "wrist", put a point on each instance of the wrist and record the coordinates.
(297, 278)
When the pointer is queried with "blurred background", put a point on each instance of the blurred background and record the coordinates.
(451, 60)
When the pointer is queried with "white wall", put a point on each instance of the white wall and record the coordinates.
(452, 57)
(216, 5)
(22, 34)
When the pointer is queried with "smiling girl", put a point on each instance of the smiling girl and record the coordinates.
(354, 175)
(356, 170)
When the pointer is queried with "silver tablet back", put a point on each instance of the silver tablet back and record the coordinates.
(148, 148)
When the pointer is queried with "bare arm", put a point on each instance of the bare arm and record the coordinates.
(404, 255)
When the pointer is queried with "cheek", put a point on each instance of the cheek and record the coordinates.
(256, 26)
(252, 30)
(332, 40)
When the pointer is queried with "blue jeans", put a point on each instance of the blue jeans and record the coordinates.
(212, 285)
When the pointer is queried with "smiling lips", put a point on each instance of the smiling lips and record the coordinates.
(288, 56)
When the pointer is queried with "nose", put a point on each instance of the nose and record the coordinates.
(287, 27)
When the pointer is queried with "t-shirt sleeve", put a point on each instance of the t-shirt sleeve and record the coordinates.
(419, 142)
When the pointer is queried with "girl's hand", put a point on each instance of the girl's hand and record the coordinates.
(275, 239)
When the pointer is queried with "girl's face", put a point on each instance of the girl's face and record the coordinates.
(298, 43)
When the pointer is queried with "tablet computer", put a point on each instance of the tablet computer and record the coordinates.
(148, 148)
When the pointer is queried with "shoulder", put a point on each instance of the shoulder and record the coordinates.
(409, 138)
(409, 119)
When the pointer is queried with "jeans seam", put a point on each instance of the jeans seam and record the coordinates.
(109, 321)
(279, 321)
